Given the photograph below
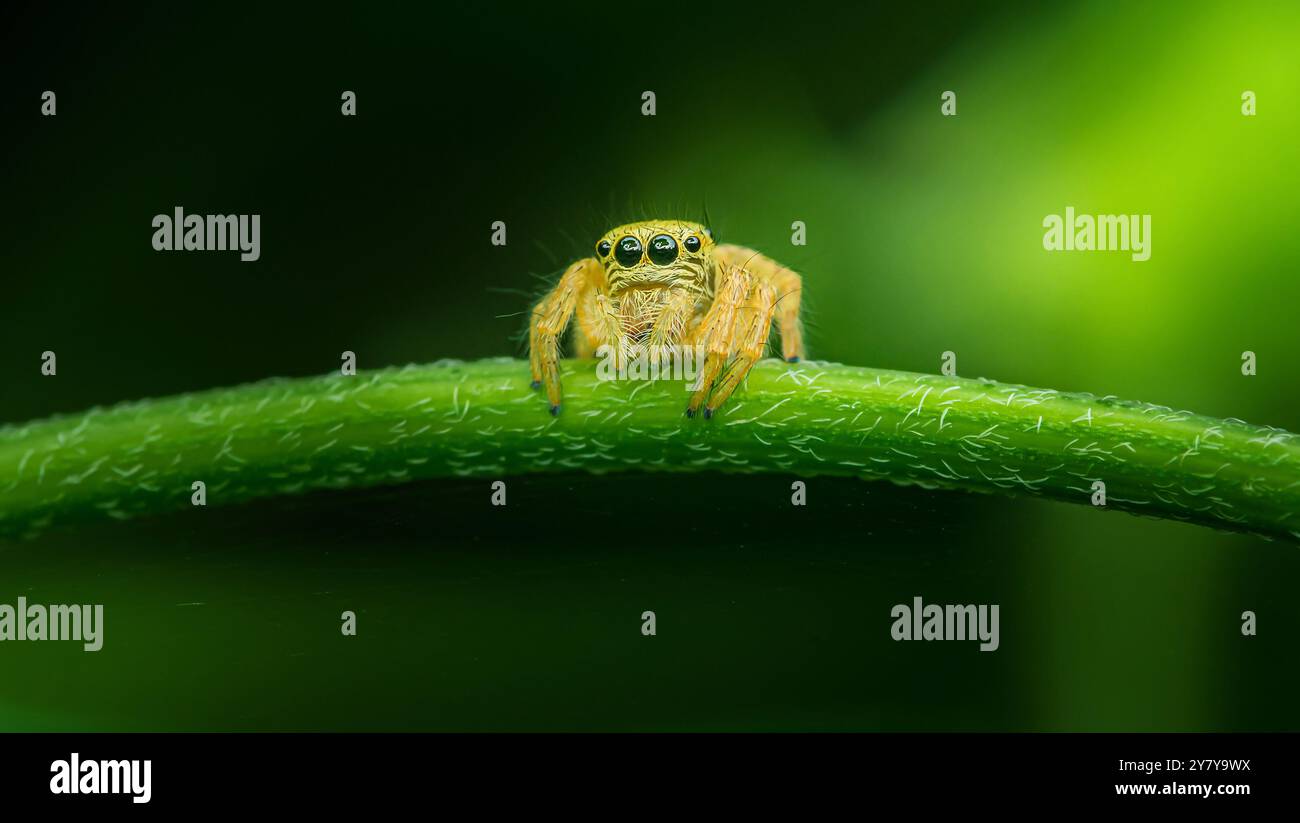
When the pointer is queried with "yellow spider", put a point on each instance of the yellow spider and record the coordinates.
(666, 283)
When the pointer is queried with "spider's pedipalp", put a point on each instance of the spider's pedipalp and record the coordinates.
(598, 321)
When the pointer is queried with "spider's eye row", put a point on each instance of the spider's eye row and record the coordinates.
(629, 251)
(692, 243)
(603, 247)
(663, 249)
(709, 233)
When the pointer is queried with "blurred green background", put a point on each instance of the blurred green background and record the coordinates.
(924, 235)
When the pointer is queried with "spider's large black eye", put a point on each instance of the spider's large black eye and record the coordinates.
(629, 251)
(692, 243)
(663, 249)
(603, 247)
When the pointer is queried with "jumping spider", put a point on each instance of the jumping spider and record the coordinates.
(663, 283)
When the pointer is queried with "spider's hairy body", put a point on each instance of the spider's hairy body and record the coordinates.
(667, 283)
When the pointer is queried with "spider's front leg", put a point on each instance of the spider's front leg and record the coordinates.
(753, 326)
(787, 286)
(550, 318)
(738, 319)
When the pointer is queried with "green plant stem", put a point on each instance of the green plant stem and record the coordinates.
(481, 419)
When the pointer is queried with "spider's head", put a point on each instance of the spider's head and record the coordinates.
(657, 254)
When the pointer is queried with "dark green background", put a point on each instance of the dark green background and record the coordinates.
(924, 235)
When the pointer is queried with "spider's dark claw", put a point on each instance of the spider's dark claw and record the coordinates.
(555, 410)
(708, 413)
(690, 412)
(792, 360)
(536, 384)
